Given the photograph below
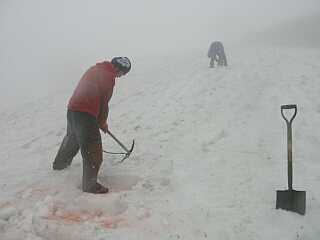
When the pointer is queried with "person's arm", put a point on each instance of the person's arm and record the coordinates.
(209, 52)
(103, 115)
(104, 112)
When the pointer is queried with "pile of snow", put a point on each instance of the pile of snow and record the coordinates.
(210, 154)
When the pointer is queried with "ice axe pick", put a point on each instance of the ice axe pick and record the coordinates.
(127, 151)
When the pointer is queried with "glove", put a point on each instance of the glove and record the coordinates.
(104, 127)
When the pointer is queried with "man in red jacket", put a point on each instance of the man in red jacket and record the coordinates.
(87, 113)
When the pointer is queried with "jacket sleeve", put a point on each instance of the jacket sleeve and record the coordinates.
(103, 114)
(104, 108)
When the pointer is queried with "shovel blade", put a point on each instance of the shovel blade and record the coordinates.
(292, 200)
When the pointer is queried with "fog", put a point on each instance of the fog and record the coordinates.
(44, 43)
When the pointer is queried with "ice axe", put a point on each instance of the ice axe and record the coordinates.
(290, 199)
(127, 151)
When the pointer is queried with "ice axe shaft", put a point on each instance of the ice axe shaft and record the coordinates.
(120, 143)
(127, 151)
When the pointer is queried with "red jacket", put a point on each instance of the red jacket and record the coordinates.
(94, 91)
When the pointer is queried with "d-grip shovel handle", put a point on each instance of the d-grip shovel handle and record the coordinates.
(289, 139)
(290, 106)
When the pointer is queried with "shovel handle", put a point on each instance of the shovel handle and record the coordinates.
(289, 106)
(289, 139)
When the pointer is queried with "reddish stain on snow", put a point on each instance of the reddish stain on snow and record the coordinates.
(5, 204)
(113, 223)
(86, 216)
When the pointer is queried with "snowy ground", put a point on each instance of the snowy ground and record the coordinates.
(210, 154)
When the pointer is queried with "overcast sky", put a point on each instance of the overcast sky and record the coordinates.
(141, 22)
(40, 37)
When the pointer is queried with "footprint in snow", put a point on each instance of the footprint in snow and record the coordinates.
(118, 183)
(207, 145)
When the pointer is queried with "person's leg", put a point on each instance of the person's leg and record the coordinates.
(88, 136)
(219, 59)
(224, 59)
(92, 159)
(212, 62)
(68, 149)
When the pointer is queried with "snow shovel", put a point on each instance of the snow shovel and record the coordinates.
(127, 151)
(290, 199)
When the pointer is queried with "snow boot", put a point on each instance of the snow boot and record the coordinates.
(92, 159)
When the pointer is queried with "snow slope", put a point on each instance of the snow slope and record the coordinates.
(210, 154)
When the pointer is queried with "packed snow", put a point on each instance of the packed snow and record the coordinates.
(210, 153)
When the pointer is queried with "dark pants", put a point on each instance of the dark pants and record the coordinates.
(221, 59)
(82, 133)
